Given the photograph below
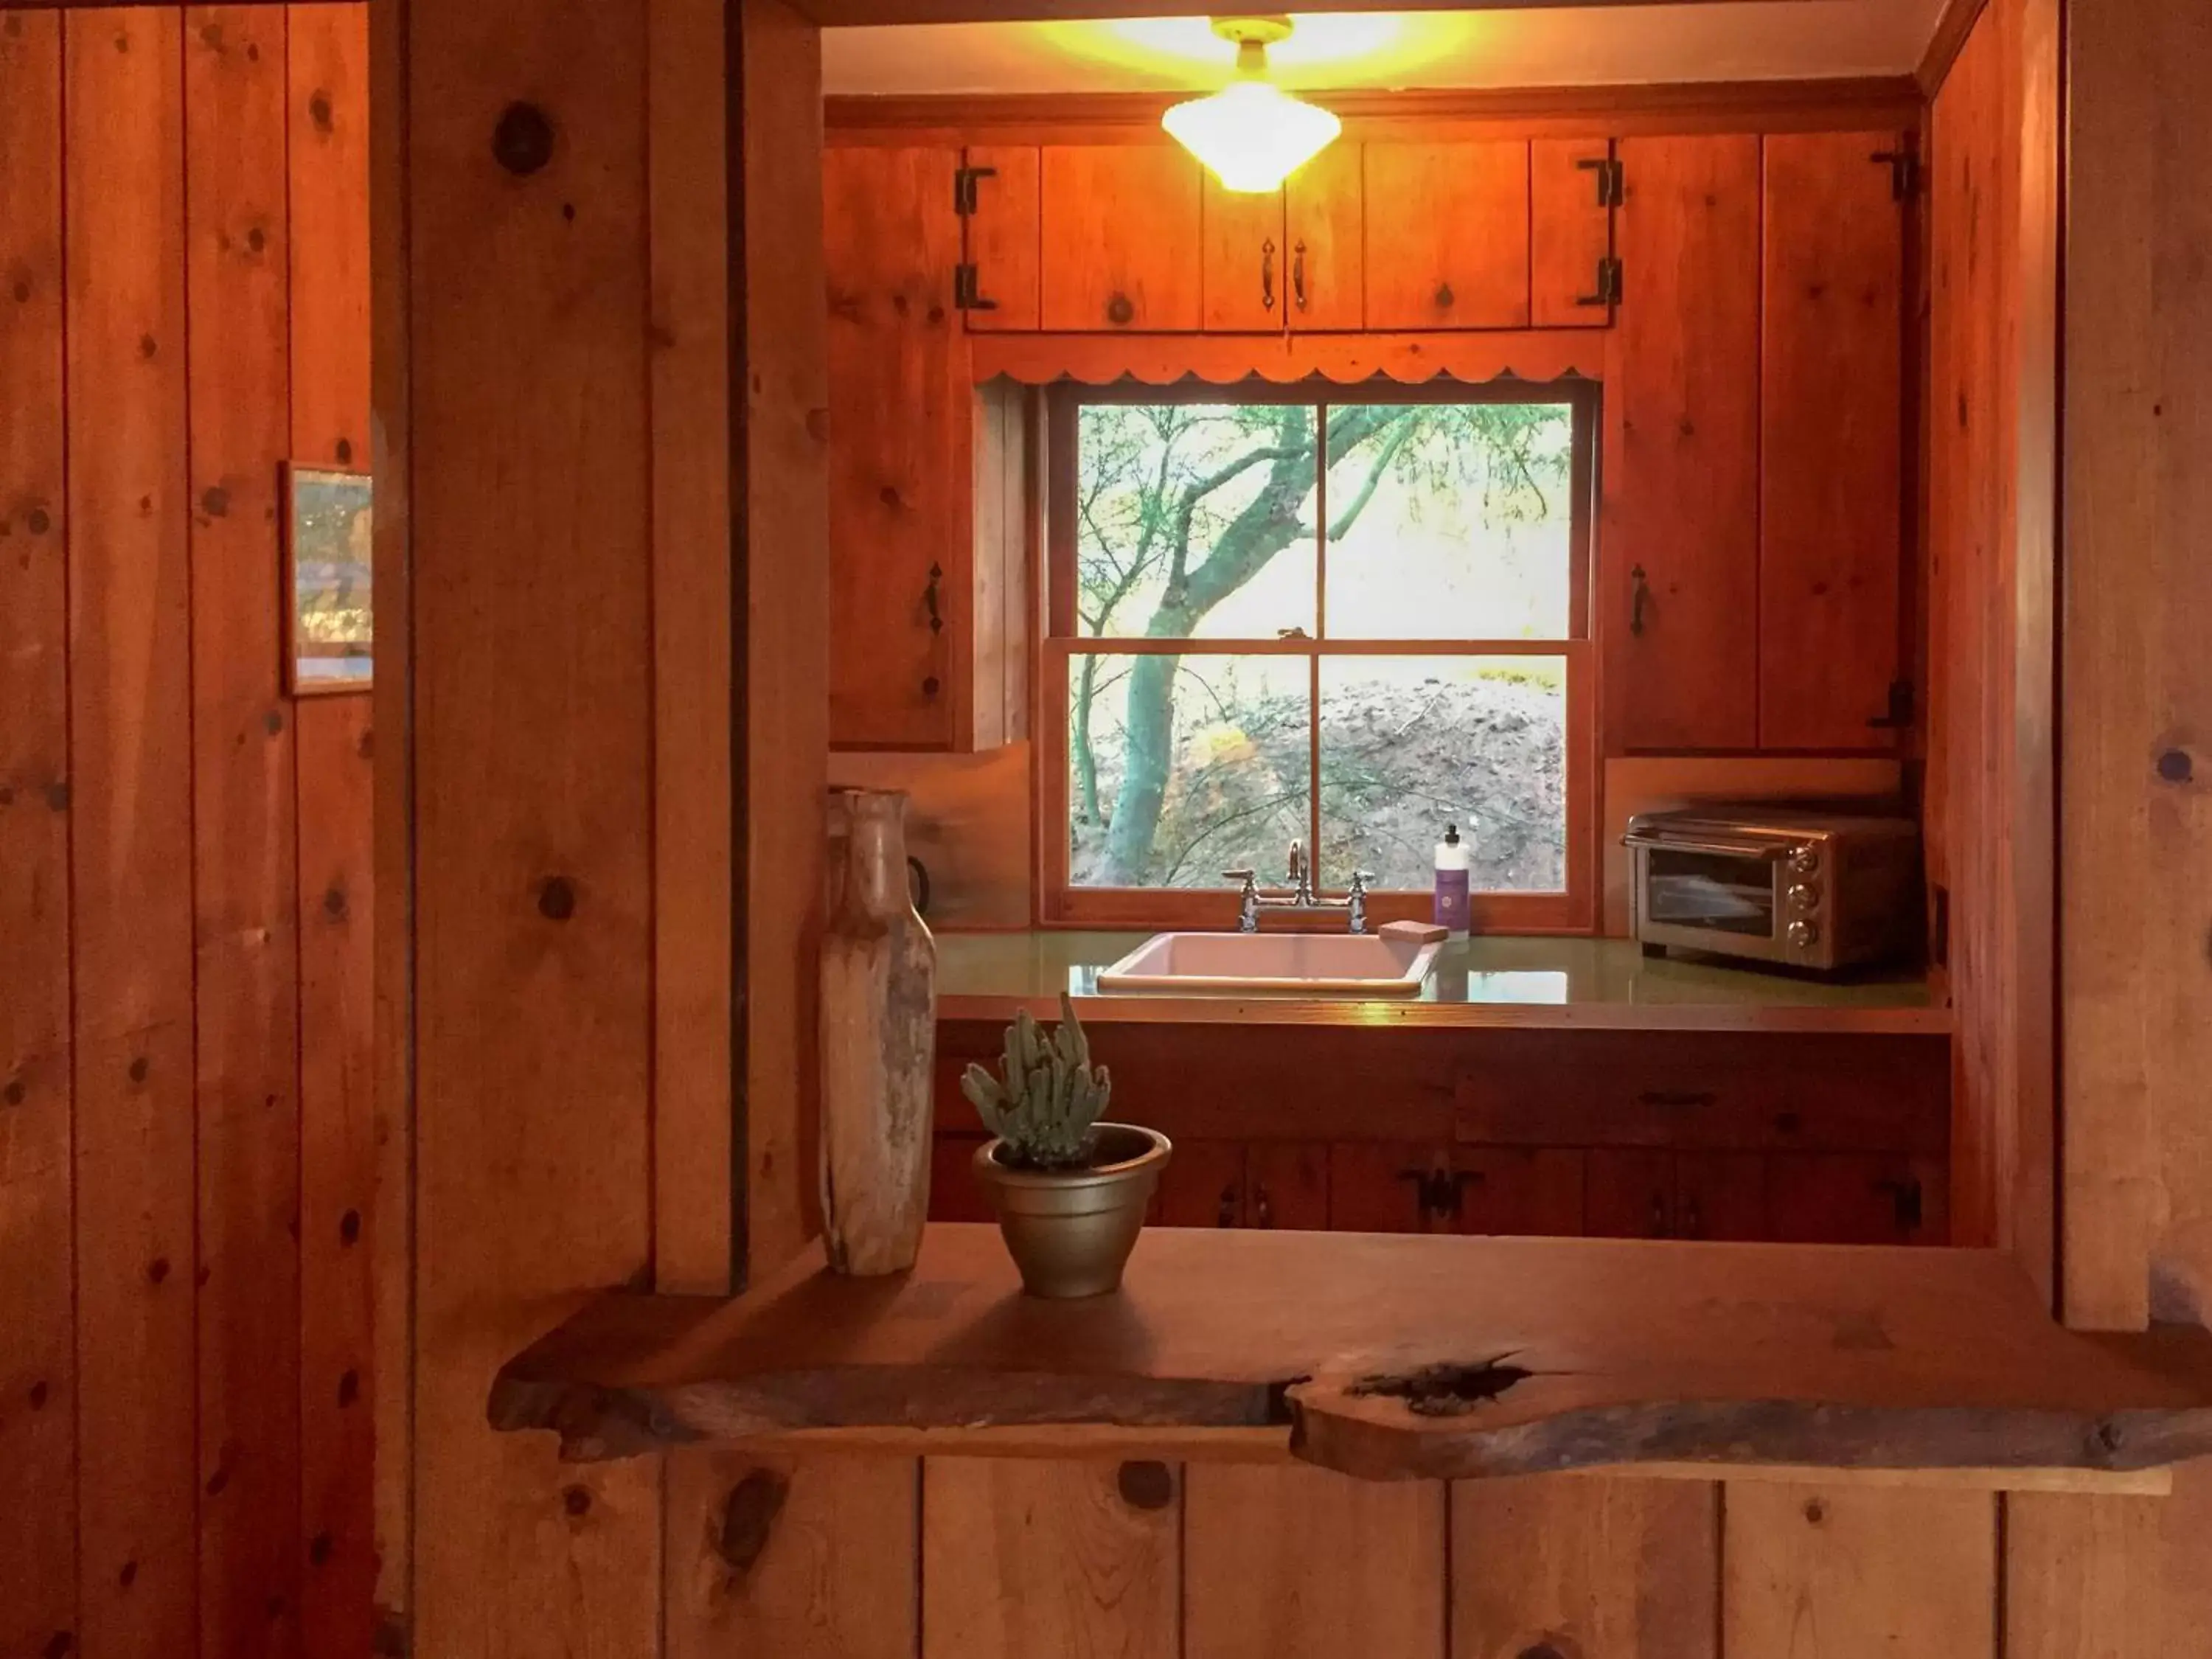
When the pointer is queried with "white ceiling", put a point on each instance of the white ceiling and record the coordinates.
(1535, 47)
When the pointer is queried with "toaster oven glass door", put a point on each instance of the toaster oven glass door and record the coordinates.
(1710, 892)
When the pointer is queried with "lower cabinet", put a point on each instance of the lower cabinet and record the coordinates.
(1809, 1140)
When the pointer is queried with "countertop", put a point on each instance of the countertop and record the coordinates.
(1600, 984)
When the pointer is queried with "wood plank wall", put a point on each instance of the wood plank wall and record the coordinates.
(185, 1147)
(1993, 254)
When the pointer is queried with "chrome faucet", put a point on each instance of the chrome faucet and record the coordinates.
(1302, 895)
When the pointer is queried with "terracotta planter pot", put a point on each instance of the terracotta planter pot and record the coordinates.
(1070, 1231)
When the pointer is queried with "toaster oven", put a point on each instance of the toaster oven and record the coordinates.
(1800, 887)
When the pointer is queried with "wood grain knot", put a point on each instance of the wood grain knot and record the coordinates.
(318, 110)
(318, 1549)
(349, 1227)
(1544, 1650)
(557, 898)
(216, 1482)
(334, 902)
(522, 140)
(11, 1093)
(37, 522)
(215, 500)
(1815, 1510)
(59, 1643)
(748, 1517)
(576, 1500)
(58, 797)
(348, 1388)
(157, 1269)
(344, 451)
(1444, 297)
(127, 1574)
(2176, 767)
(272, 722)
(1145, 1485)
(38, 1396)
(22, 290)
(1444, 1390)
(138, 1069)
(1120, 311)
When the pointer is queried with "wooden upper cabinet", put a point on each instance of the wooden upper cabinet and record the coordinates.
(1121, 238)
(1446, 234)
(1831, 513)
(999, 205)
(1569, 231)
(899, 468)
(1323, 219)
(1246, 263)
(1679, 581)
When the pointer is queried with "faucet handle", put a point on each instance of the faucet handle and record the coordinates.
(1360, 878)
(1247, 876)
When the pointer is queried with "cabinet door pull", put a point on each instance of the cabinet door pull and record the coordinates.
(1263, 1213)
(1677, 1097)
(1640, 597)
(1905, 1202)
(1693, 1220)
(929, 598)
(1226, 1215)
(1298, 275)
(1429, 1188)
(1268, 274)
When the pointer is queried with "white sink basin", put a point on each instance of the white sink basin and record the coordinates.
(1307, 964)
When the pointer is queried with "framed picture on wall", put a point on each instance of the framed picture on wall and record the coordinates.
(329, 614)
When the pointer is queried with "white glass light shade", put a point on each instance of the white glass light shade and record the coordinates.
(1251, 133)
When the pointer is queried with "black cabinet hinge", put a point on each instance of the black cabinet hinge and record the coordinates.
(1900, 708)
(967, 292)
(1904, 166)
(1608, 285)
(964, 179)
(1611, 179)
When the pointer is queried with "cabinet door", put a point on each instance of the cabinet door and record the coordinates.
(1519, 1190)
(899, 476)
(955, 1194)
(1448, 228)
(1569, 231)
(1323, 222)
(1003, 235)
(1836, 1198)
(1203, 1186)
(1286, 1185)
(1831, 514)
(1386, 1187)
(1246, 272)
(1628, 1194)
(1681, 567)
(1720, 1195)
(1121, 228)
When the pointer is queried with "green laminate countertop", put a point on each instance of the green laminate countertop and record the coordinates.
(1601, 984)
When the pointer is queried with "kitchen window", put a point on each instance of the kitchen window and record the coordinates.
(1343, 616)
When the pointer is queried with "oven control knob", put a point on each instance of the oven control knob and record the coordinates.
(1803, 935)
(1804, 899)
(1805, 861)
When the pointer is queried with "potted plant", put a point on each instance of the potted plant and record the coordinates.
(1070, 1191)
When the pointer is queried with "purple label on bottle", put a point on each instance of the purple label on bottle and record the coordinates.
(1452, 911)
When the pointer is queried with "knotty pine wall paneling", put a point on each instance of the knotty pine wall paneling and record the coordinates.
(131, 812)
(245, 834)
(326, 104)
(180, 1482)
(38, 1427)
(530, 750)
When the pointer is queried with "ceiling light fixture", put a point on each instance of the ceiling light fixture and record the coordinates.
(1252, 133)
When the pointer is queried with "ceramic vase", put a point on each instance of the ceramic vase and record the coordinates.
(878, 1042)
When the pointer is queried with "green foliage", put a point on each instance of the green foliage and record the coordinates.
(1048, 1096)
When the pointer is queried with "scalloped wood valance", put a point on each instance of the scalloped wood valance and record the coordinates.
(1537, 356)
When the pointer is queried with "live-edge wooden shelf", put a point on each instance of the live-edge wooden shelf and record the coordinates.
(1390, 1356)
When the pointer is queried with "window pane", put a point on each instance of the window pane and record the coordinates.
(1195, 520)
(1409, 744)
(1449, 522)
(1221, 782)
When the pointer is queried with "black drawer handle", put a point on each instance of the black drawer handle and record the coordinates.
(1683, 1097)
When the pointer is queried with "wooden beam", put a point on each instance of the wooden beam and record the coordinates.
(837, 13)
(1396, 1356)
(1836, 104)
(1952, 29)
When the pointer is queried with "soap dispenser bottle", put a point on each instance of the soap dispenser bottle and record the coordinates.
(1453, 907)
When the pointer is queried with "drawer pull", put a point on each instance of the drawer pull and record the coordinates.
(1677, 1097)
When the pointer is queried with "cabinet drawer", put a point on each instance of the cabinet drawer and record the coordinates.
(1707, 1093)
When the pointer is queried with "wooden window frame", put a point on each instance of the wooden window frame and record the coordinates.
(1573, 910)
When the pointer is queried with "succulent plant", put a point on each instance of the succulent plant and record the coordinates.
(1048, 1096)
